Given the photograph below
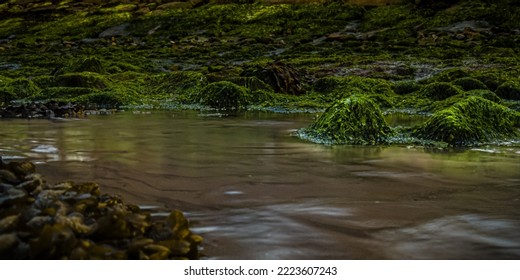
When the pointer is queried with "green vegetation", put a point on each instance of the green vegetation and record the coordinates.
(353, 120)
(419, 57)
(471, 121)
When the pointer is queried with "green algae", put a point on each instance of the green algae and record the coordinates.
(468, 83)
(83, 79)
(439, 90)
(224, 95)
(509, 90)
(353, 120)
(471, 121)
(18, 88)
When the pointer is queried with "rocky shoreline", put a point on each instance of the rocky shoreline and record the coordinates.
(71, 220)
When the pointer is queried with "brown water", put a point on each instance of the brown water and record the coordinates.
(254, 191)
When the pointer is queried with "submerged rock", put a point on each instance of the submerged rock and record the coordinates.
(471, 121)
(75, 221)
(353, 120)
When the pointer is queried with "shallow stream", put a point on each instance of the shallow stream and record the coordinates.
(255, 191)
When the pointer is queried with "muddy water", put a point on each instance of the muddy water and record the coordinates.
(254, 191)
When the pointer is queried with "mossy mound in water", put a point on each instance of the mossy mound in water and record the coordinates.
(76, 221)
(353, 120)
(471, 121)
(224, 95)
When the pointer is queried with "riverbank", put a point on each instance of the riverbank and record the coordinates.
(416, 58)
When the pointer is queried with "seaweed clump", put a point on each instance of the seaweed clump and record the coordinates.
(224, 95)
(471, 121)
(75, 221)
(353, 120)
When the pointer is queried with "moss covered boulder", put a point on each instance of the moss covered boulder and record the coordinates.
(471, 121)
(224, 95)
(353, 120)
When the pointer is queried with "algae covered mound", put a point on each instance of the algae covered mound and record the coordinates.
(75, 221)
(224, 95)
(353, 120)
(471, 121)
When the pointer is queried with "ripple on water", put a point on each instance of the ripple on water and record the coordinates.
(456, 237)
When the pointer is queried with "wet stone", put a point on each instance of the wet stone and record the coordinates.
(75, 221)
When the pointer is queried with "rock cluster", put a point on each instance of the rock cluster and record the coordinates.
(75, 221)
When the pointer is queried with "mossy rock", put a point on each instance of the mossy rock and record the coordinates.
(44, 81)
(176, 83)
(341, 87)
(83, 79)
(439, 90)
(224, 95)
(406, 87)
(450, 75)
(450, 101)
(20, 88)
(91, 64)
(509, 90)
(328, 84)
(353, 120)
(6, 92)
(491, 80)
(471, 121)
(468, 83)
(62, 93)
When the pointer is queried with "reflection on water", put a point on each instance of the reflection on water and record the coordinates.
(254, 191)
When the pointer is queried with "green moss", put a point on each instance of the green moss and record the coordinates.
(353, 120)
(62, 93)
(509, 90)
(406, 87)
(187, 83)
(83, 79)
(224, 95)
(450, 75)
(468, 83)
(341, 87)
(471, 121)
(448, 102)
(91, 64)
(439, 90)
(18, 88)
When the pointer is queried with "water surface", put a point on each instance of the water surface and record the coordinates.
(255, 191)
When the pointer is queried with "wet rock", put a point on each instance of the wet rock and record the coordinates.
(115, 31)
(75, 221)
